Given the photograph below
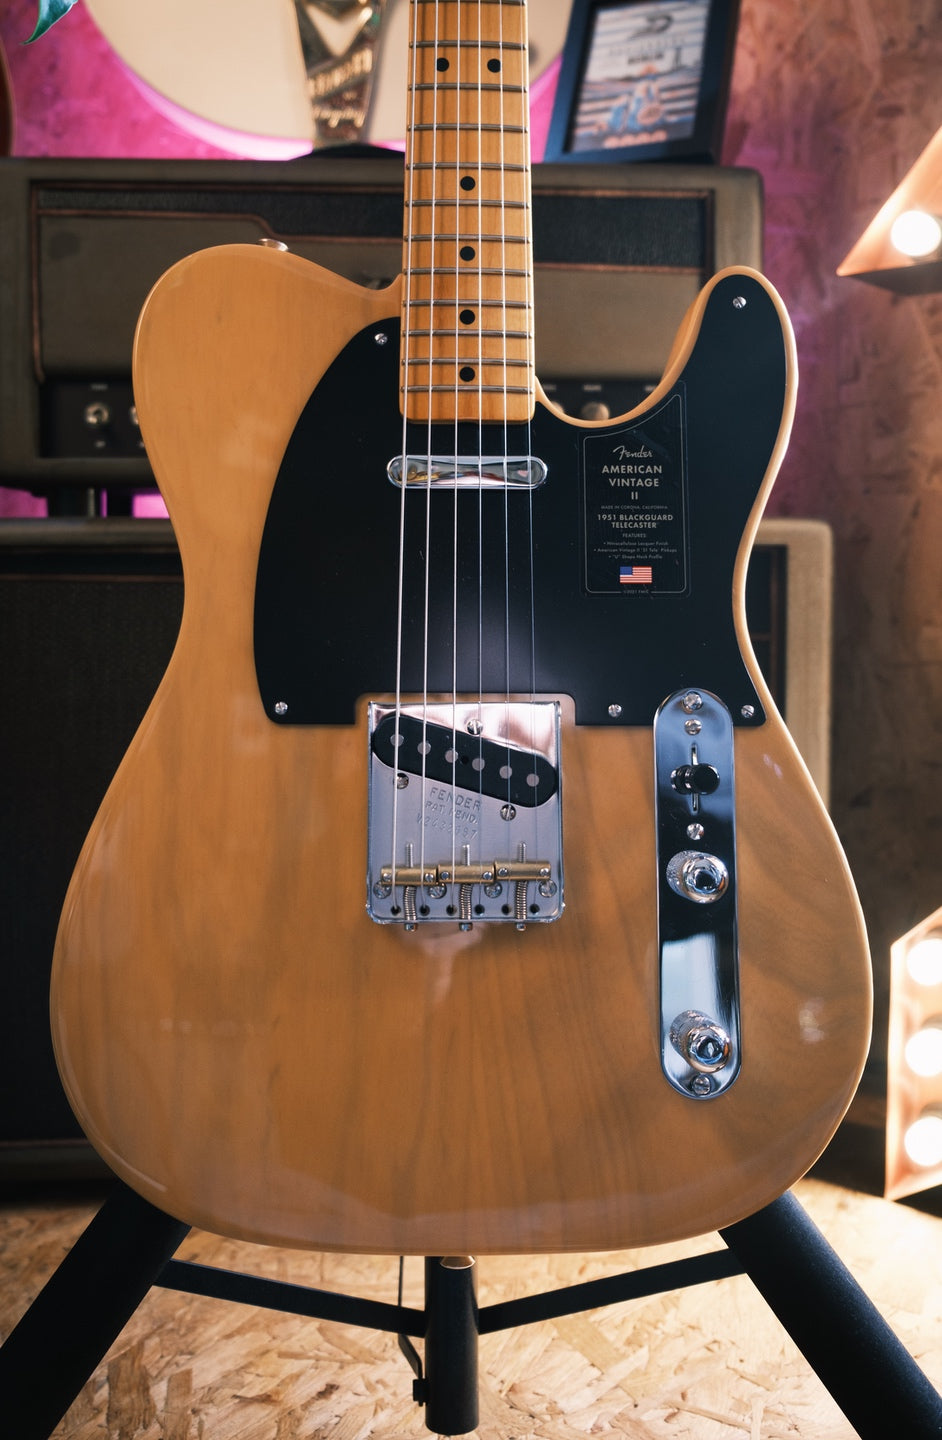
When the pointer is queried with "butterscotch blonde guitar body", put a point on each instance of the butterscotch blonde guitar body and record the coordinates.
(253, 1054)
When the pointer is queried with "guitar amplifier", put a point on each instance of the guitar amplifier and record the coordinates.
(89, 612)
(620, 252)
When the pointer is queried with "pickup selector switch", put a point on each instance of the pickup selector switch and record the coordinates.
(695, 779)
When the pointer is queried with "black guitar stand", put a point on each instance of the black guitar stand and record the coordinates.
(129, 1246)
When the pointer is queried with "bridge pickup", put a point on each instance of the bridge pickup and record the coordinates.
(464, 757)
(465, 821)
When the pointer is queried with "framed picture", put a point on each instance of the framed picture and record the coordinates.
(643, 80)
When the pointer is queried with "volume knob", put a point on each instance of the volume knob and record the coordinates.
(696, 876)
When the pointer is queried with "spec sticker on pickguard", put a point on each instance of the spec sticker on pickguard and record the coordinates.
(634, 495)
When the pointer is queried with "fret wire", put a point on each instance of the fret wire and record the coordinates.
(470, 165)
(473, 330)
(443, 44)
(451, 125)
(498, 89)
(471, 234)
(481, 304)
(477, 270)
(482, 360)
(470, 393)
(484, 203)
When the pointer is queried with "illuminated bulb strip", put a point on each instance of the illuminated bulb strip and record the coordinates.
(924, 961)
(923, 1140)
(916, 234)
(923, 1050)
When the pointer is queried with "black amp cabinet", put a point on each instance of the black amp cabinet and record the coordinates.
(620, 252)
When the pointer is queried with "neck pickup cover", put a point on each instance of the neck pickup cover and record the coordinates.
(468, 472)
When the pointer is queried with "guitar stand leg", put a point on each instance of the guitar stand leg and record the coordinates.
(449, 1390)
(842, 1335)
(60, 1341)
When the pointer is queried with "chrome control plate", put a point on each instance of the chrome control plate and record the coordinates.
(465, 820)
(697, 903)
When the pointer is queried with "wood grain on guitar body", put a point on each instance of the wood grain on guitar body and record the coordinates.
(462, 890)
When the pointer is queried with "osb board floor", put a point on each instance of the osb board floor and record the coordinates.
(706, 1363)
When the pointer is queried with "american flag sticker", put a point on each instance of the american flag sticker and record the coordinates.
(635, 575)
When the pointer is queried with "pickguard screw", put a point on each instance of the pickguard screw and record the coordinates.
(402, 780)
(508, 812)
(747, 712)
(614, 711)
(381, 338)
(739, 302)
(281, 707)
(475, 727)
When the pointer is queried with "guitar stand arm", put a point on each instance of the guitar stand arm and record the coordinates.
(129, 1246)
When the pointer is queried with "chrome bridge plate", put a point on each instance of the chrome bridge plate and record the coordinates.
(465, 822)
(697, 919)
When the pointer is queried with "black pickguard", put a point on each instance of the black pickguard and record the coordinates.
(326, 596)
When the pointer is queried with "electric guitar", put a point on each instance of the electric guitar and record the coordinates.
(462, 890)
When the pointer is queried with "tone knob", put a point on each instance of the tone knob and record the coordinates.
(703, 1043)
(696, 876)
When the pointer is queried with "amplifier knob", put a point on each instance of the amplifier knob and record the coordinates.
(97, 415)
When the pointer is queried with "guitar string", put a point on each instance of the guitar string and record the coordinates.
(504, 312)
(430, 394)
(478, 54)
(531, 382)
(406, 370)
(458, 82)
(481, 312)
(404, 361)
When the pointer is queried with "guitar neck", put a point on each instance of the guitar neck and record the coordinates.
(467, 332)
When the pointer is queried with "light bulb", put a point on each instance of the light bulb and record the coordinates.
(923, 1140)
(916, 233)
(923, 1050)
(924, 960)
